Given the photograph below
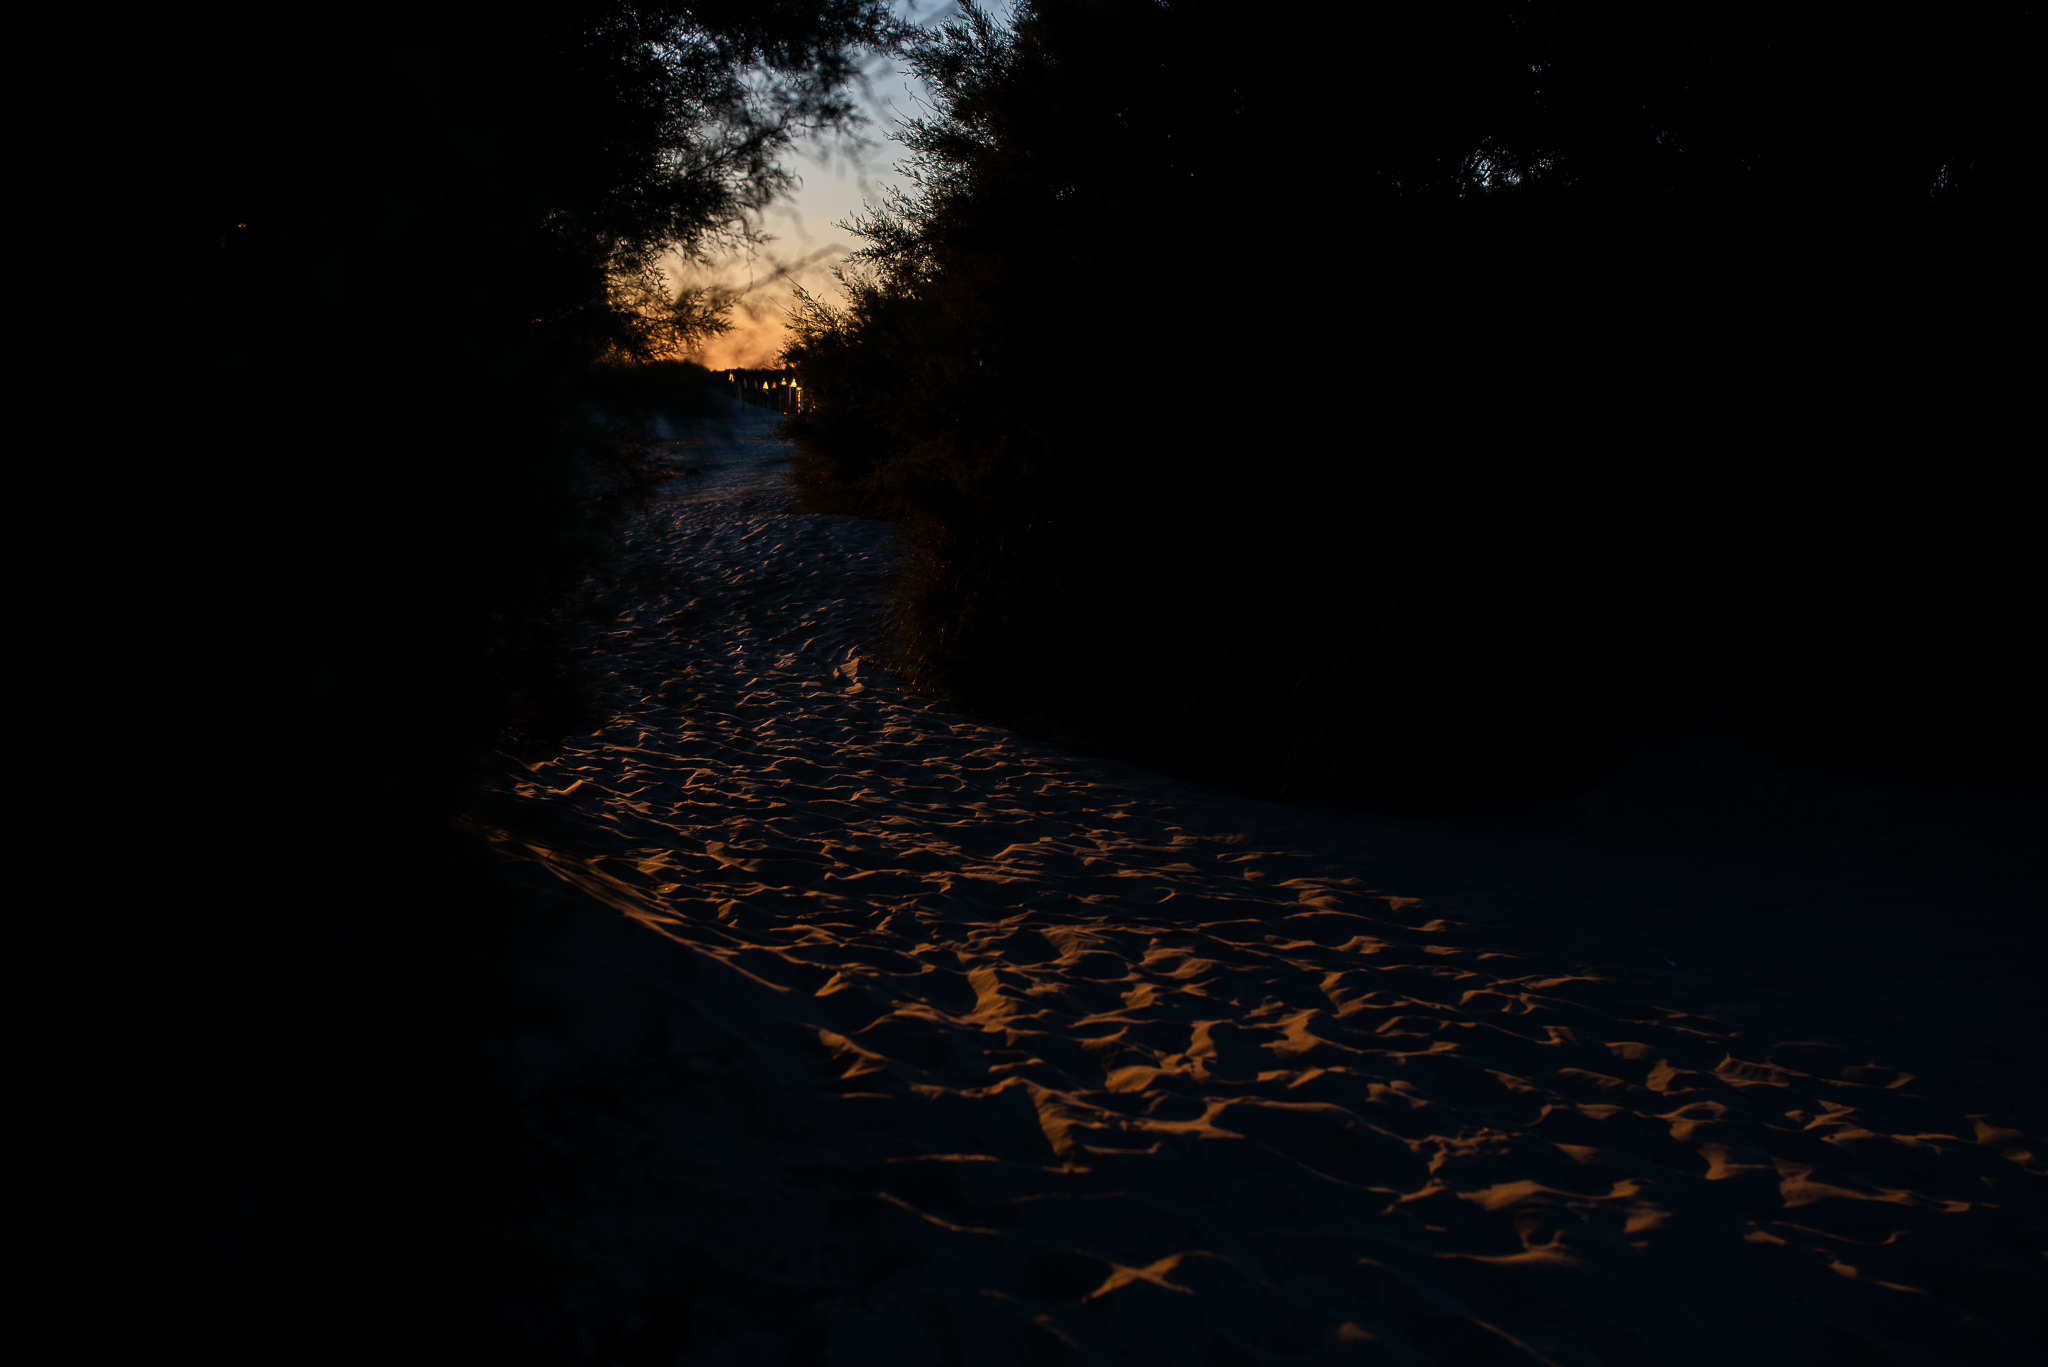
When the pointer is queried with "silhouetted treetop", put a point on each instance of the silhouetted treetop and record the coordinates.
(387, 251)
(1738, 109)
(1610, 309)
(615, 131)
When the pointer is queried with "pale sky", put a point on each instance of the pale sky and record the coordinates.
(837, 179)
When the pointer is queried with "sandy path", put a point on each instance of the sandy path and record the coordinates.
(949, 1047)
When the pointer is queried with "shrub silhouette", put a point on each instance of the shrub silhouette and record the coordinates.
(1561, 441)
(394, 261)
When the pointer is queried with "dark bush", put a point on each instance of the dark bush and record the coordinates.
(637, 393)
(392, 261)
(1593, 415)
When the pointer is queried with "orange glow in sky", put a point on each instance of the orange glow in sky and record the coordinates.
(837, 179)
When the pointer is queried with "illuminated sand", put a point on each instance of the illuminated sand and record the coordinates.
(943, 1046)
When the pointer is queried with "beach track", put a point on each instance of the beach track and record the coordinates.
(923, 1041)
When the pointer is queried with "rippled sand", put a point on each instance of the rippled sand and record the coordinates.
(945, 1046)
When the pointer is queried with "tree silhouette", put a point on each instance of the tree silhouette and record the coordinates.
(362, 275)
(397, 253)
(1555, 443)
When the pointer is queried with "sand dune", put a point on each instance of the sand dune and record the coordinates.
(945, 1046)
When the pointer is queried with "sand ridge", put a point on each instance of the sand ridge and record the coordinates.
(949, 1046)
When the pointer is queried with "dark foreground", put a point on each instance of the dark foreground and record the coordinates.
(905, 1039)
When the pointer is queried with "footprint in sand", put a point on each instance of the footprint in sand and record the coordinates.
(962, 1049)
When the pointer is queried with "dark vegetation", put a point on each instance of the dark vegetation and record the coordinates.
(634, 394)
(1406, 408)
(383, 282)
